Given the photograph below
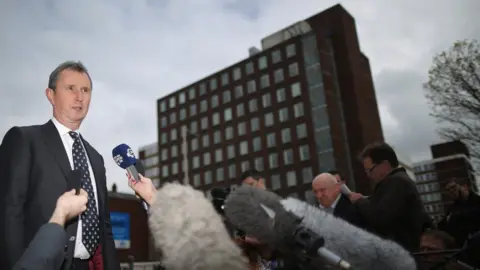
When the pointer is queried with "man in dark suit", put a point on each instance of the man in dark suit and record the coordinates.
(36, 164)
(326, 188)
(394, 210)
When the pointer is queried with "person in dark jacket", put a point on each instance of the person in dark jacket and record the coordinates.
(394, 210)
(46, 250)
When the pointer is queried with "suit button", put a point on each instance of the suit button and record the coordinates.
(72, 238)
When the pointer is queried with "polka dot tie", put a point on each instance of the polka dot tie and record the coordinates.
(90, 223)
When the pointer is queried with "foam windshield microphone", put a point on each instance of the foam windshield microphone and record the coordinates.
(125, 158)
(251, 209)
(260, 214)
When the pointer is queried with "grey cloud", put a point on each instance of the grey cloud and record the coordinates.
(138, 51)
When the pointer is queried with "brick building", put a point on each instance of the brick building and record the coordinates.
(303, 104)
(451, 160)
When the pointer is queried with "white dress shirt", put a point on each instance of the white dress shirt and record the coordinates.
(80, 251)
(334, 204)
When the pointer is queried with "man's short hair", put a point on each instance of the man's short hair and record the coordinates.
(68, 65)
(336, 172)
(379, 152)
(251, 173)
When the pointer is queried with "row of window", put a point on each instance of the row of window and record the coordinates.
(434, 208)
(253, 105)
(225, 78)
(425, 177)
(430, 187)
(431, 197)
(424, 168)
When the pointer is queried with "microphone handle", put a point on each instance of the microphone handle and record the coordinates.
(333, 258)
(134, 173)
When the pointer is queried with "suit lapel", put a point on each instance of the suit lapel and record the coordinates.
(54, 144)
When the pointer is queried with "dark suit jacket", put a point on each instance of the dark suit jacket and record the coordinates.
(348, 212)
(46, 250)
(395, 210)
(33, 172)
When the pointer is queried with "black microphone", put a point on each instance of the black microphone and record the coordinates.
(74, 181)
(283, 223)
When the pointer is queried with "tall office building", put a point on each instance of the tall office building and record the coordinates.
(302, 104)
(451, 160)
(148, 155)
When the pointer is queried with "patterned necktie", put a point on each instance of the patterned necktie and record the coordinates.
(90, 227)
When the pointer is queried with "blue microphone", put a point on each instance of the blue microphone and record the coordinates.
(125, 158)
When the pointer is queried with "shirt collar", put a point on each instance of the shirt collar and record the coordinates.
(62, 130)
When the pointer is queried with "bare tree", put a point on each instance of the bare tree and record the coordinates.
(453, 93)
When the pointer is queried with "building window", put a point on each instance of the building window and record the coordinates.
(224, 79)
(293, 69)
(227, 97)
(271, 142)
(262, 62)
(203, 89)
(264, 81)
(172, 102)
(218, 155)
(194, 144)
(215, 119)
(217, 137)
(273, 160)
(288, 157)
(278, 75)
(238, 91)
(228, 133)
(213, 84)
(203, 106)
(269, 119)
(296, 89)
(174, 150)
(320, 117)
(314, 76)
(254, 124)
(276, 56)
(196, 180)
(193, 127)
(259, 163)
(237, 74)
(286, 137)
(181, 98)
(290, 50)
(207, 177)
(298, 110)
(283, 114)
(196, 162)
(183, 114)
(232, 171)
(227, 114)
(281, 97)
(291, 179)
(214, 101)
(301, 131)
(219, 175)
(191, 93)
(323, 139)
(173, 118)
(249, 68)
(307, 175)
(276, 182)
(257, 144)
(163, 138)
(245, 166)
(231, 151)
(240, 110)
(243, 148)
(205, 141)
(173, 134)
(251, 86)
(206, 159)
(266, 100)
(242, 128)
(326, 161)
(163, 106)
(304, 152)
(165, 171)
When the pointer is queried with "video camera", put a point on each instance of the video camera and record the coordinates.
(218, 198)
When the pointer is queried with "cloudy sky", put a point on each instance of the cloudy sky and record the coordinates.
(140, 50)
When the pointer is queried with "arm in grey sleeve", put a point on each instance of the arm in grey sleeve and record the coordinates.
(46, 250)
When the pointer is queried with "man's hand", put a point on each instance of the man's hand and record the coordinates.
(69, 206)
(355, 197)
(143, 188)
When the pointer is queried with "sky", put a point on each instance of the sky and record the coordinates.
(138, 51)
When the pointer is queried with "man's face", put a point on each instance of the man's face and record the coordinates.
(71, 98)
(260, 183)
(374, 171)
(326, 192)
(456, 191)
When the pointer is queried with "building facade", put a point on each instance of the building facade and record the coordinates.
(302, 105)
(148, 155)
(450, 161)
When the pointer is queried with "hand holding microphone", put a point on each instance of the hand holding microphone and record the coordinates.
(144, 188)
(69, 206)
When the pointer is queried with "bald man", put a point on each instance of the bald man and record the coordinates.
(326, 188)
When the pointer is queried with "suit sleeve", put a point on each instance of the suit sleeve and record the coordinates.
(15, 163)
(390, 206)
(46, 250)
(111, 252)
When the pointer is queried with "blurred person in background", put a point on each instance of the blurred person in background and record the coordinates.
(326, 188)
(394, 210)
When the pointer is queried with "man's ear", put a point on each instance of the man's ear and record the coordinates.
(50, 94)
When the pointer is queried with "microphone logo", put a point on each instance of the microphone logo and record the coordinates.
(118, 159)
(130, 153)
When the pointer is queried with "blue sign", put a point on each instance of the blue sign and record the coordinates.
(120, 229)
